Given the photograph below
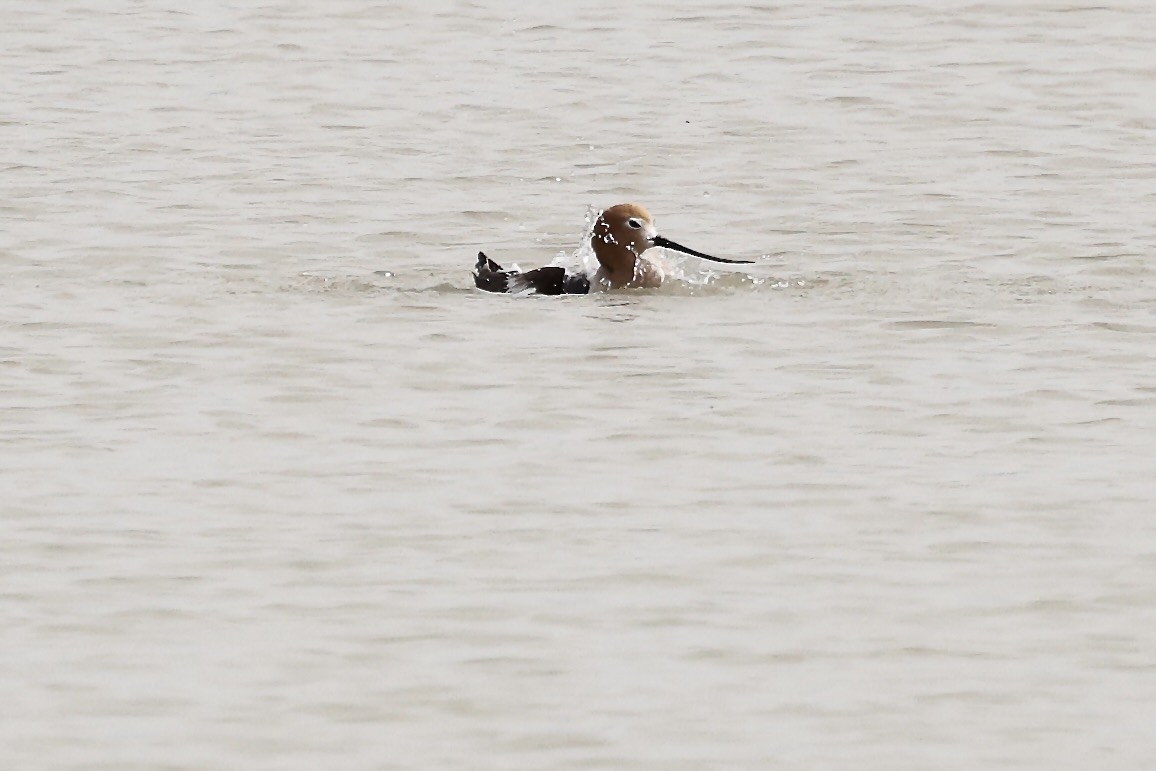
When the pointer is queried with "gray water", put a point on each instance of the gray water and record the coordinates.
(282, 490)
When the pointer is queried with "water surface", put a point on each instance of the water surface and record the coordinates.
(284, 491)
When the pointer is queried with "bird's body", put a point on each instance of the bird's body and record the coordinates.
(490, 276)
(619, 239)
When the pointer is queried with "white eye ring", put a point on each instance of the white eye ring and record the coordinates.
(635, 223)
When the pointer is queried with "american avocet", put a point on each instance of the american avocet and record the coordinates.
(621, 234)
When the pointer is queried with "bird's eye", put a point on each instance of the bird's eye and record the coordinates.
(634, 222)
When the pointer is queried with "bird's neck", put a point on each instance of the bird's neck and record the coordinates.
(618, 263)
(622, 268)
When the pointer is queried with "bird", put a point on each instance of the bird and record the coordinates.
(621, 236)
